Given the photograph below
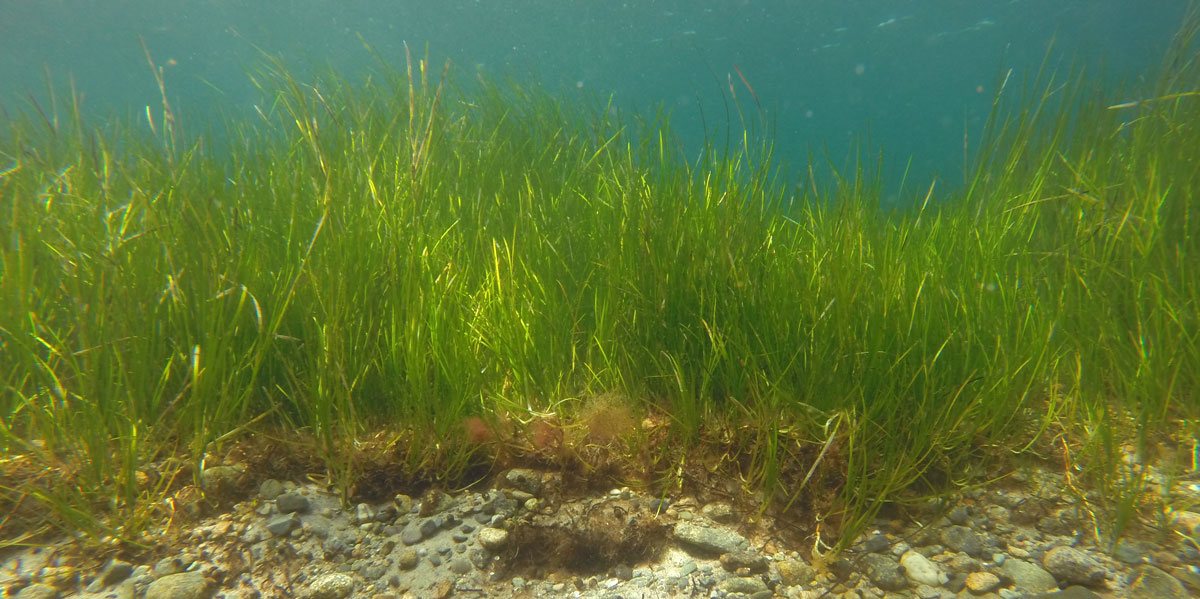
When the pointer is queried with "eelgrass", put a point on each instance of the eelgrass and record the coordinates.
(399, 255)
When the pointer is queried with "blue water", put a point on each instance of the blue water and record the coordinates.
(914, 75)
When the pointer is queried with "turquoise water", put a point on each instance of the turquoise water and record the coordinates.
(913, 75)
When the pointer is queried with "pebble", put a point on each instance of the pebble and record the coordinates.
(1028, 577)
(525, 479)
(408, 560)
(37, 591)
(1073, 566)
(709, 539)
(734, 560)
(460, 566)
(738, 584)
(1148, 582)
(982, 582)
(921, 571)
(961, 538)
(270, 489)
(884, 571)
(719, 512)
(186, 585)
(411, 535)
(292, 502)
(792, 572)
(282, 525)
(493, 539)
(331, 586)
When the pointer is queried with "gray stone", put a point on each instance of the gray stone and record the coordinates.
(525, 479)
(372, 571)
(1028, 577)
(411, 535)
(927, 592)
(741, 559)
(167, 566)
(1073, 566)
(270, 489)
(37, 591)
(281, 525)
(1148, 582)
(459, 565)
(292, 502)
(331, 586)
(429, 527)
(115, 572)
(708, 539)
(959, 515)
(1132, 552)
(186, 585)
(493, 539)
(961, 538)
(885, 572)
(875, 543)
(747, 585)
(719, 512)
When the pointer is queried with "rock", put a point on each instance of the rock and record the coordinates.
(167, 566)
(220, 477)
(292, 502)
(927, 592)
(408, 560)
(434, 501)
(411, 535)
(459, 565)
(281, 525)
(791, 571)
(1028, 577)
(709, 539)
(525, 479)
(961, 538)
(115, 572)
(331, 586)
(404, 503)
(270, 489)
(37, 591)
(186, 585)
(982, 582)
(719, 512)
(622, 572)
(1068, 593)
(884, 571)
(740, 559)
(1186, 523)
(875, 543)
(429, 528)
(1148, 582)
(1072, 565)
(364, 513)
(959, 515)
(493, 539)
(920, 570)
(747, 585)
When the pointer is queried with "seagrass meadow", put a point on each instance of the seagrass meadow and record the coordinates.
(407, 281)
